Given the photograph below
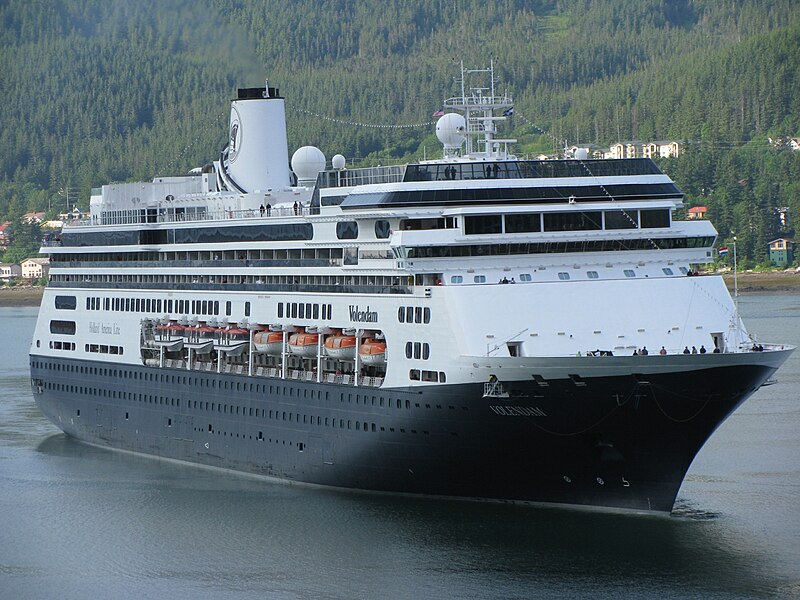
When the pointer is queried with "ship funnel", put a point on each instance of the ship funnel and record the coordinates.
(258, 152)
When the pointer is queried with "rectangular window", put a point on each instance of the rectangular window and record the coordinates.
(66, 302)
(622, 219)
(572, 221)
(655, 218)
(483, 224)
(62, 327)
(523, 223)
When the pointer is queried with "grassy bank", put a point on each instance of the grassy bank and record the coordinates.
(21, 296)
(776, 281)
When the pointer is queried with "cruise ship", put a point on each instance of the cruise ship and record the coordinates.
(477, 326)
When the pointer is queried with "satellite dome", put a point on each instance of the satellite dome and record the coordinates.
(338, 162)
(581, 153)
(308, 162)
(451, 129)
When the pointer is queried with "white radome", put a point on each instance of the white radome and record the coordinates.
(451, 129)
(308, 162)
(338, 162)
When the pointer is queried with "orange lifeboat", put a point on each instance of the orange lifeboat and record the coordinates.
(268, 342)
(372, 352)
(340, 346)
(304, 344)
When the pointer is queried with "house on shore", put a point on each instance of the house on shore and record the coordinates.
(9, 271)
(35, 268)
(781, 252)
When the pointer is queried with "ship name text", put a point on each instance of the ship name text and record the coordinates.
(518, 411)
(104, 328)
(363, 316)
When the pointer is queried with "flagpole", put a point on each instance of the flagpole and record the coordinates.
(735, 278)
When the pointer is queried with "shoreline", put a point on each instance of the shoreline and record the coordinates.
(749, 283)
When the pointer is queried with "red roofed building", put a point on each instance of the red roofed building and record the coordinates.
(4, 240)
(697, 212)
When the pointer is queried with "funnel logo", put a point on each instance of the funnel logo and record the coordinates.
(235, 137)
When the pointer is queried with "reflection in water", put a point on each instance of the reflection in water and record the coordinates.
(270, 532)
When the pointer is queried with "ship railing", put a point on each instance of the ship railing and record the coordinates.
(371, 381)
(362, 176)
(136, 217)
(272, 372)
(494, 389)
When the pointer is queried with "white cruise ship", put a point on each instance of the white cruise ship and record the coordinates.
(476, 326)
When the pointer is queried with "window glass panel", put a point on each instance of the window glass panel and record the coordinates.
(483, 224)
(622, 219)
(523, 223)
(347, 230)
(66, 302)
(62, 327)
(382, 229)
(655, 218)
(572, 221)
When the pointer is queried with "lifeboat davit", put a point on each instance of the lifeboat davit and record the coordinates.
(341, 347)
(236, 335)
(168, 331)
(268, 342)
(372, 352)
(207, 332)
(304, 344)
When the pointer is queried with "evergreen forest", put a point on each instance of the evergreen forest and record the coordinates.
(96, 91)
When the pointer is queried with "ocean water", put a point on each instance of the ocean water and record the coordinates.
(82, 522)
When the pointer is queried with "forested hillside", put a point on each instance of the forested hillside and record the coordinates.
(110, 90)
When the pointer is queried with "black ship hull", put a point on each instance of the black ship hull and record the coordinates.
(621, 442)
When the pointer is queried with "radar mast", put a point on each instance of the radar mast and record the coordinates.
(479, 105)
